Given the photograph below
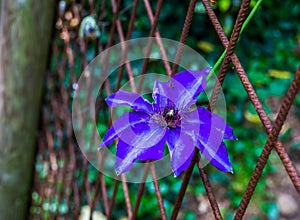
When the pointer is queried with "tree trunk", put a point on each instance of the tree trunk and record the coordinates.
(25, 30)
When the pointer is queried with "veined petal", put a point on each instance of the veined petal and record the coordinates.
(209, 125)
(182, 89)
(217, 156)
(228, 134)
(181, 146)
(130, 99)
(124, 150)
(173, 92)
(154, 153)
(147, 146)
(162, 94)
(130, 124)
(212, 129)
(194, 81)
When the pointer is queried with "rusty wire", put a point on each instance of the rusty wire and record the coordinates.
(56, 104)
(287, 162)
(229, 51)
(234, 37)
(281, 117)
(184, 185)
(184, 34)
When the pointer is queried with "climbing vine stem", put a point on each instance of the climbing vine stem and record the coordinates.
(248, 19)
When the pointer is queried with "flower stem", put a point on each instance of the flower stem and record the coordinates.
(248, 19)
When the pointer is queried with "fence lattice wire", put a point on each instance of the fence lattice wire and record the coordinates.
(59, 157)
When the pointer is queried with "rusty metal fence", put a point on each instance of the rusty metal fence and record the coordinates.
(59, 158)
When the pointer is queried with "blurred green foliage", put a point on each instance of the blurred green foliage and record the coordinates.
(269, 50)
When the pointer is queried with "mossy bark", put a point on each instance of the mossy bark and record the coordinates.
(25, 30)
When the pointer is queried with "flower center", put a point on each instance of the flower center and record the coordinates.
(171, 116)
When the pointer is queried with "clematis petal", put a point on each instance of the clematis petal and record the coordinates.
(228, 133)
(130, 123)
(124, 150)
(166, 93)
(209, 124)
(212, 129)
(162, 94)
(182, 89)
(194, 81)
(130, 99)
(212, 147)
(217, 156)
(154, 153)
(181, 146)
(139, 147)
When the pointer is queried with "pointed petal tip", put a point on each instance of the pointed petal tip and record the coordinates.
(177, 173)
(231, 138)
(101, 146)
(109, 99)
(206, 70)
(230, 169)
(119, 171)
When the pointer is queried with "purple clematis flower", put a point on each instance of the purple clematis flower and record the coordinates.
(171, 119)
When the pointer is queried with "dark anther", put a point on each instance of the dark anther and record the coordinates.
(171, 116)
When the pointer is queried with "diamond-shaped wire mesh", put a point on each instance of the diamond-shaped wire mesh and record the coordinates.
(63, 174)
